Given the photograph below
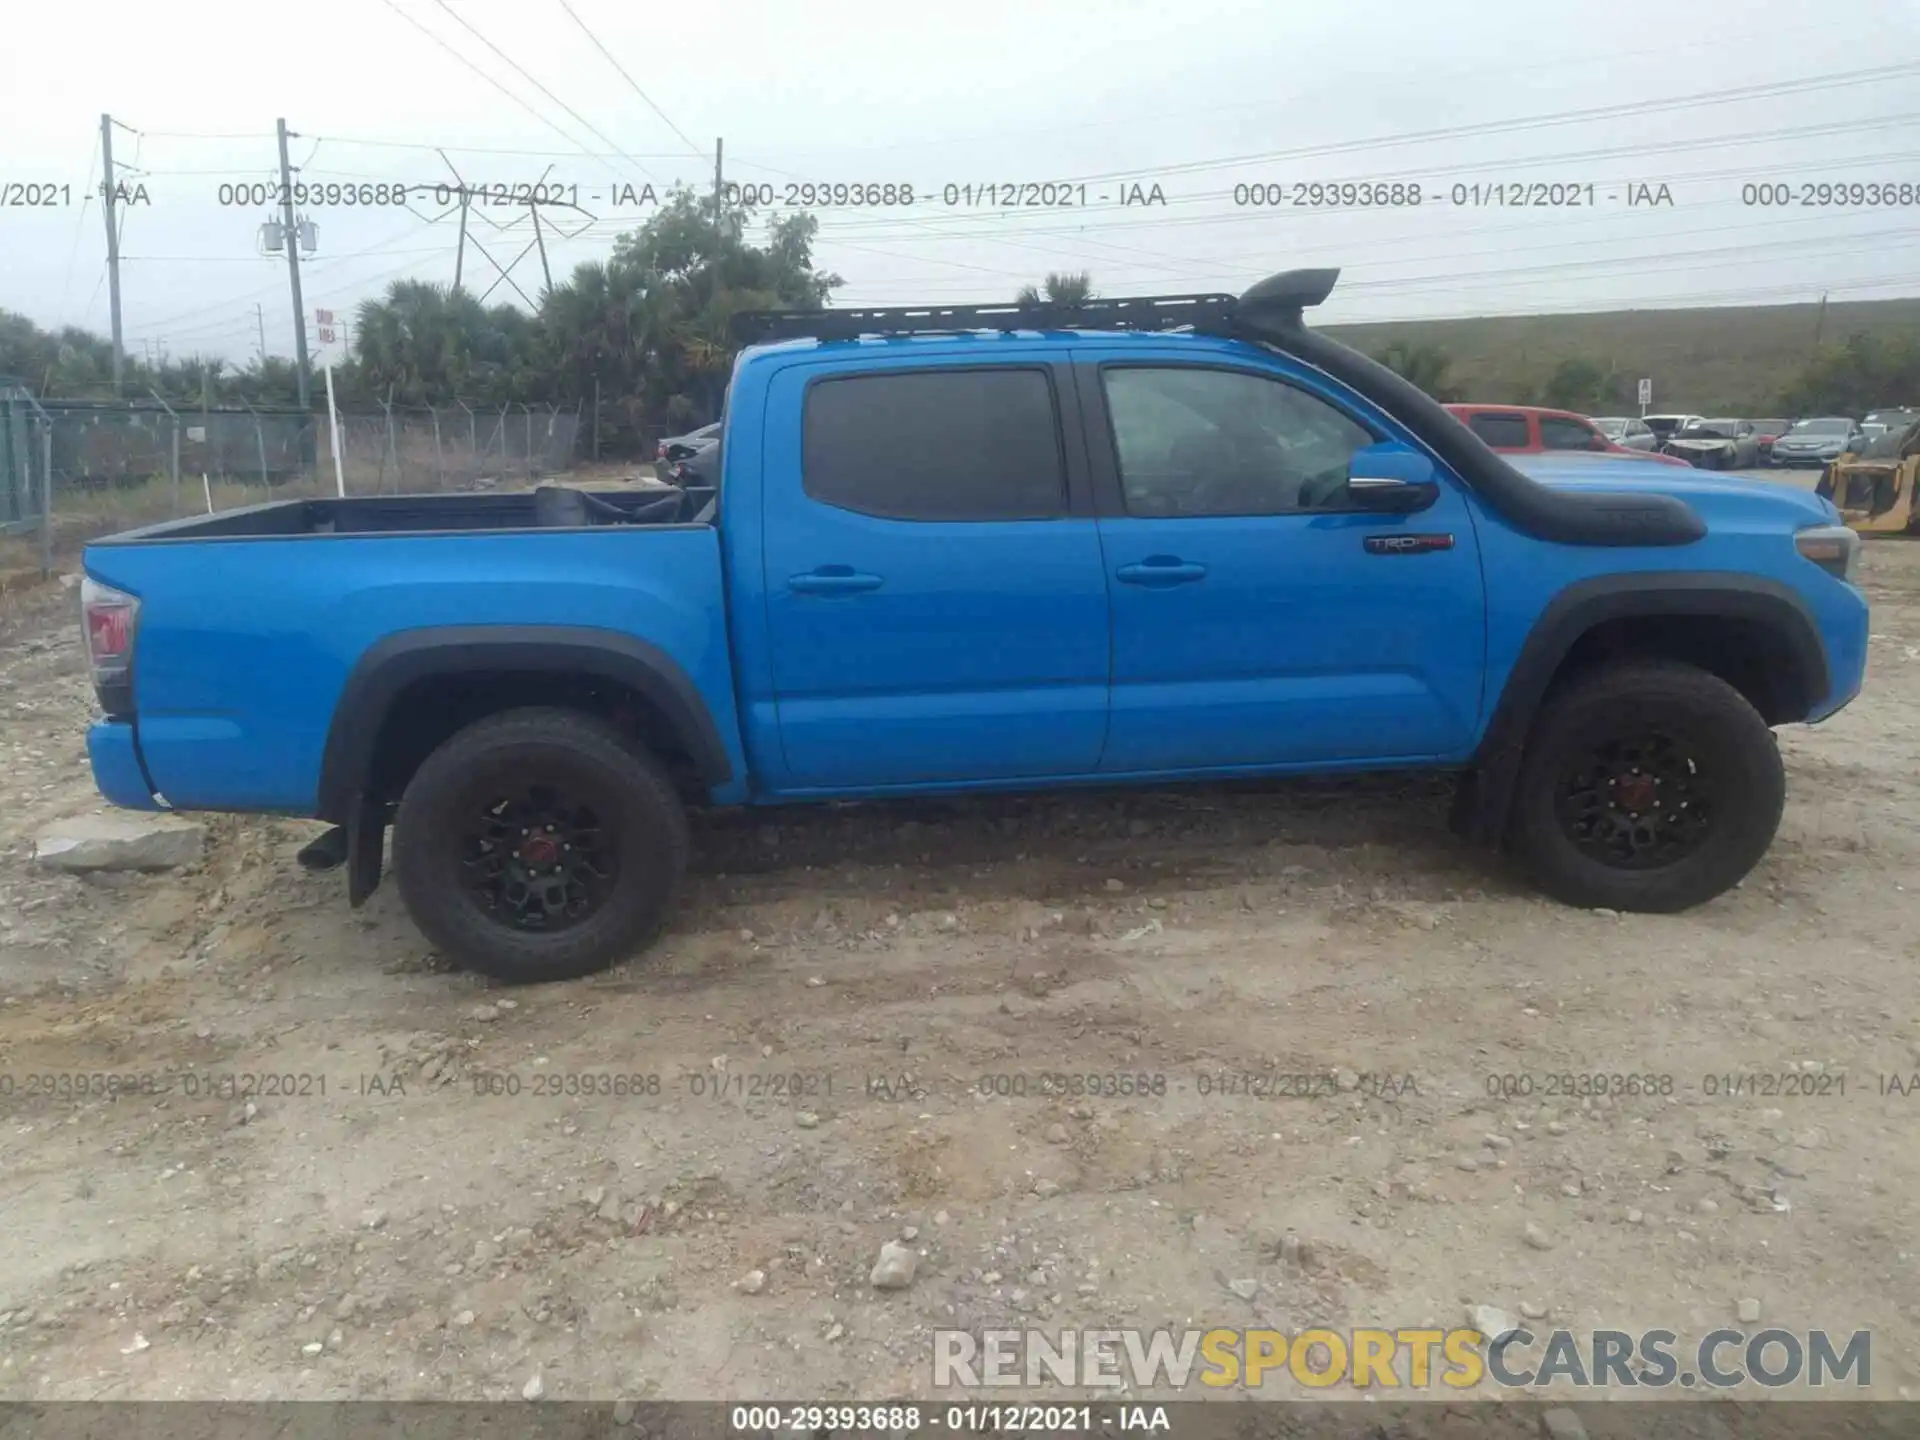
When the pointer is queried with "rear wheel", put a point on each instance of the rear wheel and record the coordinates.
(1649, 786)
(540, 844)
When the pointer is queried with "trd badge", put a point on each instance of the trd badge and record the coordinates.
(1407, 544)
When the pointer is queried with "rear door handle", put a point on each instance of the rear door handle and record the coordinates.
(1158, 571)
(833, 580)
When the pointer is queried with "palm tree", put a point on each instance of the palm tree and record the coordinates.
(1058, 289)
(1423, 365)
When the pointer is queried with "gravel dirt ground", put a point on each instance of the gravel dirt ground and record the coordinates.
(673, 1180)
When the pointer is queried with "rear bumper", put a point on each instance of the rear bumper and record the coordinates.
(117, 770)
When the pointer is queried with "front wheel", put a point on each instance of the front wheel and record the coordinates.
(540, 844)
(1650, 786)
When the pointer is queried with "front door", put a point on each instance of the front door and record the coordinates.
(1258, 617)
(936, 608)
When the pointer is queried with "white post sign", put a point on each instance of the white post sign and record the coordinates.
(1646, 395)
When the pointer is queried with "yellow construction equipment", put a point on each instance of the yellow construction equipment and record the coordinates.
(1875, 488)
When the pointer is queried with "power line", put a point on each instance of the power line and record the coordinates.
(79, 226)
(513, 152)
(1626, 265)
(1153, 115)
(1690, 299)
(1616, 152)
(630, 80)
(543, 119)
(521, 70)
(382, 247)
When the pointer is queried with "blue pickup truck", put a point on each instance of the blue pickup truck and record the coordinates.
(1133, 541)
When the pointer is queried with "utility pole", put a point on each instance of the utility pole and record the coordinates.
(1819, 321)
(540, 240)
(113, 247)
(260, 319)
(293, 267)
(460, 248)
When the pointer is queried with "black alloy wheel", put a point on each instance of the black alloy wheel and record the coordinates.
(538, 858)
(540, 844)
(1645, 785)
(1636, 804)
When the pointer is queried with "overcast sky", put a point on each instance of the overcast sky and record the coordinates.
(1202, 98)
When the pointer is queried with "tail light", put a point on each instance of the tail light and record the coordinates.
(110, 617)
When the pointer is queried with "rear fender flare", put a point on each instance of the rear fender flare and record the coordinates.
(388, 667)
(1487, 793)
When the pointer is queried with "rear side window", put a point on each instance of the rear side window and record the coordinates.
(1557, 433)
(1500, 430)
(936, 445)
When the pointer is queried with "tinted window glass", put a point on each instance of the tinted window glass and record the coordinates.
(1558, 434)
(1224, 442)
(1509, 431)
(936, 445)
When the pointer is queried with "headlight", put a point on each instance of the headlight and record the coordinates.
(1834, 548)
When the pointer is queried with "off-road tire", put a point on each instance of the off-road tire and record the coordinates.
(632, 793)
(1739, 753)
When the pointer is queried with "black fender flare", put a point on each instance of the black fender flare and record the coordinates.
(1486, 792)
(389, 666)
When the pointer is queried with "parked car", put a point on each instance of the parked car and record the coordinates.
(699, 469)
(1770, 431)
(1628, 430)
(1532, 430)
(1717, 444)
(679, 447)
(1878, 424)
(1818, 442)
(1177, 541)
(1665, 426)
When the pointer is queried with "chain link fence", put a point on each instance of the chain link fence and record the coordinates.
(101, 466)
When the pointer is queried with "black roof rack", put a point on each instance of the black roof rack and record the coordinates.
(1273, 304)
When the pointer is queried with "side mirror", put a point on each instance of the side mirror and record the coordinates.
(1599, 442)
(1391, 479)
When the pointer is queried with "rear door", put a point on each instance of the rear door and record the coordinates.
(1259, 620)
(936, 601)
(1502, 429)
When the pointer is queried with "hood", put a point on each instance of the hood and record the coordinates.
(1810, 442)
(1699, 442)
(1712, 495)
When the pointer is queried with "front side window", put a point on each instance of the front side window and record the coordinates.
(936, 445)
(1193, 441)
(1558, 433)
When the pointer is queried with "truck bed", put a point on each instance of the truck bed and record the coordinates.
(548, 507)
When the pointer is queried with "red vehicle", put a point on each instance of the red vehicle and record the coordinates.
(1532, 430)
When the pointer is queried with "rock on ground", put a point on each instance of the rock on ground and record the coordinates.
(120, 842)
(895, 1268)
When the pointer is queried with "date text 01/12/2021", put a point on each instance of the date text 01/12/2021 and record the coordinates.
(1469, 195)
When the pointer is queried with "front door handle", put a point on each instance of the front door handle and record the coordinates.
(833, 580)
(1158, 571)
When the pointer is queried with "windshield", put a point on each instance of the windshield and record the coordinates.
(1712, 429)
(1611, 426)
(1822, 427)
(1664, 425)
